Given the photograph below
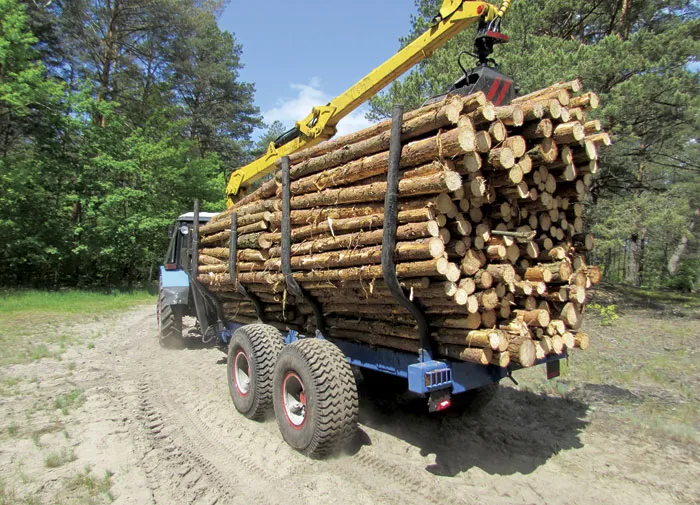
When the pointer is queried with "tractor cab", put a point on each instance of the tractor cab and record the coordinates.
(180, 251)
(178, 294)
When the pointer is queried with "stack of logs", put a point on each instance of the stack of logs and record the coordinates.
(490, 236)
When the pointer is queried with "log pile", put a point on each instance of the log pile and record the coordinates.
(490, 236)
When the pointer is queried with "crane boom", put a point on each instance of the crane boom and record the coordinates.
(454, 16)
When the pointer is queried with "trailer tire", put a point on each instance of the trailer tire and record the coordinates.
(252, 354)
(169, 325)
(315, 397)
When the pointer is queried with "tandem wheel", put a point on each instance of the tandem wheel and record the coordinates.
(252, 354)
(315, 397)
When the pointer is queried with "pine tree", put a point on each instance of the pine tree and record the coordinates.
(639, 57)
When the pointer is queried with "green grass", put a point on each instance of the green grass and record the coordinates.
(7, 495)
(89, 487)
(688, 303)
(8, 386)
(68, 302)
(72, 399)
(648, 353)
(13, 429)
(663, 296)
(39, 351)
(56, 459)
(29, 319)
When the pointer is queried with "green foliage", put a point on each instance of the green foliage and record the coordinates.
(23, 88)
(643, 63)
(608, 313)
(115, 117)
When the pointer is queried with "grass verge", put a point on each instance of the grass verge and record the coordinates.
(28, 319)
(640, 371)
(66, 303)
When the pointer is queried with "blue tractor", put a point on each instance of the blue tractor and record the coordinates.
(176, 298)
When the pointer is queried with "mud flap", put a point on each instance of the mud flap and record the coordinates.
(553, 369)
(175, 286)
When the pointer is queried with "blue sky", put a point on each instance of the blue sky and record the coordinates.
(301, 54)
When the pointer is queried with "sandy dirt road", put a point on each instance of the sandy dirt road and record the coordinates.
(161, 427)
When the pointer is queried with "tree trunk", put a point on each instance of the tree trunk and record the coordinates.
(624, 31)
(500, 202)
(444, 117)
(675, 259)
(110, 55)
(634, 259)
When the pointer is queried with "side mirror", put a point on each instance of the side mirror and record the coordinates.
(171, 229)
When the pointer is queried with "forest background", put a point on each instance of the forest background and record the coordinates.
(116, 114)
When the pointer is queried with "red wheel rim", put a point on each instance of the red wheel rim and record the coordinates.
(294, 400)
(241, 373)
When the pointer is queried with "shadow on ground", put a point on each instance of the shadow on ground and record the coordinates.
(661, 304)
(516, 433)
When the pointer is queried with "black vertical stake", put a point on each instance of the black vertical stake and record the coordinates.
(195, 288)
(389, 236)
(232, 269)
(233, 250)
(194, 267)
(292, 285)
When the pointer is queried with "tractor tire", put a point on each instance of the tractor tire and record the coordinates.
(315, 397)
(252, 354)
(169, 325)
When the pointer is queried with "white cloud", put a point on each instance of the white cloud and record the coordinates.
(290, 110)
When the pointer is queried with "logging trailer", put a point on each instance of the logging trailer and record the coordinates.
(308, 379)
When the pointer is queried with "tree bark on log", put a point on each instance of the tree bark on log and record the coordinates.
(404, 232)
(404, 251)
(478, 356)
(469, 104)
(313, 216)
(451, 143)
(446, 181)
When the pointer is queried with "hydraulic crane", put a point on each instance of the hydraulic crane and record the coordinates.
(453, 17)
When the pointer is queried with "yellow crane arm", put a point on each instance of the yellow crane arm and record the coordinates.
(319, 125)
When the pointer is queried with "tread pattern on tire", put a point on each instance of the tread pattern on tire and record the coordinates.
(170, 324)
(266, 343)
(338, 403)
